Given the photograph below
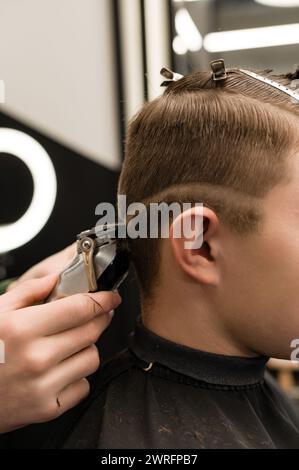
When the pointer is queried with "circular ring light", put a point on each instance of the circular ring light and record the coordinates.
(40, 165)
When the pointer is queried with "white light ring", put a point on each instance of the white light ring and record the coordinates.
(43, 173)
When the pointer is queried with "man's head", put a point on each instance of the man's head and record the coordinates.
(234, 146)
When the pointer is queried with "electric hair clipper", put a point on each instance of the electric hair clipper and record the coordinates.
(99, 264)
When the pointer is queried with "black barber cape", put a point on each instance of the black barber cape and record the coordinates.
(159, 394)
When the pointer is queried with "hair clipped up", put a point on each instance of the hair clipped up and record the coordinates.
(220, 137)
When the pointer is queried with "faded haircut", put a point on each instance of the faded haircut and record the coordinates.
(223, 144)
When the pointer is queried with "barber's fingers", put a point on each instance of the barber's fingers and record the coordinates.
(77, 367)
(68, 313)
(66, 344)
(54, 403)
(27, 293)
(54, 264)
(72, 395)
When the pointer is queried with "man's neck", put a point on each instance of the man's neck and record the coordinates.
(191, 325)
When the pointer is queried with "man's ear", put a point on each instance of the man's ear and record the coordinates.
(197, 255)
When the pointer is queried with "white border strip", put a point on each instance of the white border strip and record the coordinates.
(158, 43)
(132, 56)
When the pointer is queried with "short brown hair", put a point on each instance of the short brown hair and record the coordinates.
(224, 144)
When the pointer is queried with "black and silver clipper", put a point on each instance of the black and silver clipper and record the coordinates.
(98, 265)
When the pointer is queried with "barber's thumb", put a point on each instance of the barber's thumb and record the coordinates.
(107, 301)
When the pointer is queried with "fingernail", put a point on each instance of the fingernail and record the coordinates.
(111, 314)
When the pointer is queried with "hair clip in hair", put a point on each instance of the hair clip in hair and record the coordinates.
(170, 75)
(218, 69)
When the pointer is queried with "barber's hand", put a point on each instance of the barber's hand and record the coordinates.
(52, 265)
(49, 350)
